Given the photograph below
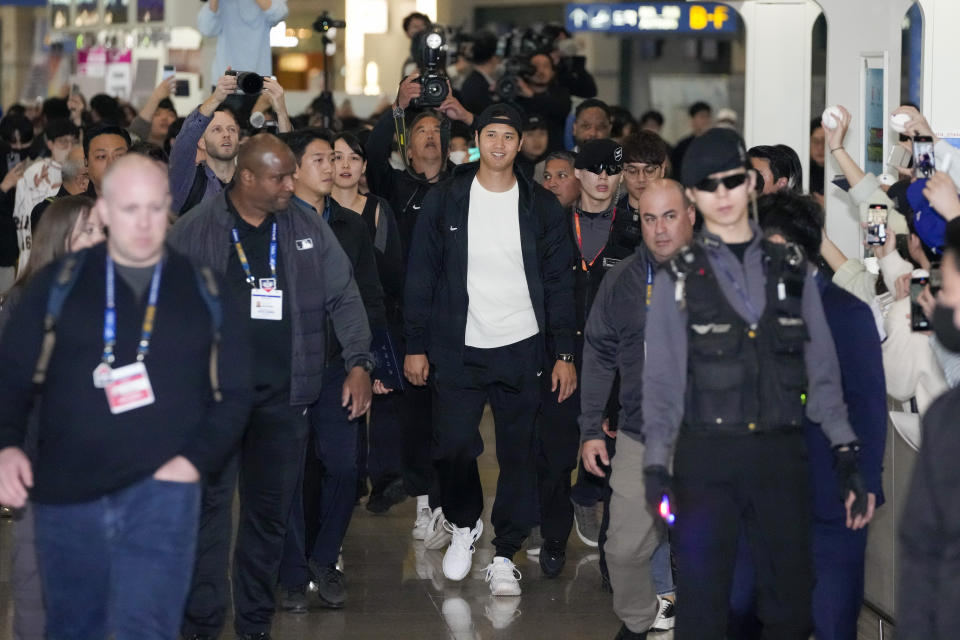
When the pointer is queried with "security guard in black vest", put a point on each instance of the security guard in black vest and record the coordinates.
(602, 235)
(737, 349)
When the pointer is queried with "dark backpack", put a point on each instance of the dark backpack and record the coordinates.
(63, 285)
(197, 189)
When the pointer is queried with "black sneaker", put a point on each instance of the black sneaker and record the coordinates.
(253, 636)
(331, 587)
(626, 634)
(294, 600)
(386, 494)
(199, 636)
(553, 555)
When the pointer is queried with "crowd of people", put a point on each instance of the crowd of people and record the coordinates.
(314, 318)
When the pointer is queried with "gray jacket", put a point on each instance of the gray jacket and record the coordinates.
(665, 373)
(320, 282)
(613, 342)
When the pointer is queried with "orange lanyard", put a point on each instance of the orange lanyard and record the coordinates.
(576, 225)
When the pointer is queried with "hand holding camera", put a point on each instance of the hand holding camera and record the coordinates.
(226, 86)
(409, 89)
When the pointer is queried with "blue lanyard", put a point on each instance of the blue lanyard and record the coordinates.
(243, 256)
(649, 283)
(110, 314)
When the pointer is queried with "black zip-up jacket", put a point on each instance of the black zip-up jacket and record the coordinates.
(319, 282)
(86, 452)
(613, 343)
(621, 242)
(351, 233)
(435, 300)
(554, 106)
(928, 585)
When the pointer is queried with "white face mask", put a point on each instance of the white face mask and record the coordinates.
(458, 157)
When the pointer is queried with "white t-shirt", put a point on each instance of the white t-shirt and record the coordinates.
(500, 311)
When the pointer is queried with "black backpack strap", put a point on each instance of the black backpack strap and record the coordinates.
(59, 291)
(369, 215)
(210, 292)
(197, 189)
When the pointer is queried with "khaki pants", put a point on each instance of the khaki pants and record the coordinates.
(631, 539)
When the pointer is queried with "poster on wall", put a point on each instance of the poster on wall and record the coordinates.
(87, 14)
(150, 11)
(119, 73)
(116, 11)
(873, 118)
(92, 62)
(60, 13)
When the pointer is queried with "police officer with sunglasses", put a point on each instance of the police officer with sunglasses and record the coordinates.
(602, 235)
(738, 349)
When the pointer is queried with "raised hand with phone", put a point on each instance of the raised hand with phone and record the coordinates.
(154, 119)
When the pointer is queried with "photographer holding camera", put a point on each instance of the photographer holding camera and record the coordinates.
(242, 29)
(571, 68)
(540, 92)
(214, 130)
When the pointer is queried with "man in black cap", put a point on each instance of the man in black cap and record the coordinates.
(489, 285)
(601, 237)
(738, 350)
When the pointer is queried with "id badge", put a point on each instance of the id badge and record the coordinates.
(266, 305)
(129, 388)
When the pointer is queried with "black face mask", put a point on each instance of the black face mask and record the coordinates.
(943, 327)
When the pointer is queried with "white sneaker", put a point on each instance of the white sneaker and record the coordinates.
(666, 615)
(504, 577)
(437, 537)
(420, 526)
(459, 555)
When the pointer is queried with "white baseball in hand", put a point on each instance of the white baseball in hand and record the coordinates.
(898, 122)
(831, 117)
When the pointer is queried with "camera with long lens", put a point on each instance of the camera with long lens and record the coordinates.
(516, 48)
(324, 23)
(513, 69)
(248, 82)
(430, 51)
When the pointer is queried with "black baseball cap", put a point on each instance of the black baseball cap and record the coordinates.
(599, 152)
(500, 114)
(716, 150)
(534, 122)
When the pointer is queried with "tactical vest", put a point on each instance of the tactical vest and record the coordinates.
(624, 237)
(744, 378)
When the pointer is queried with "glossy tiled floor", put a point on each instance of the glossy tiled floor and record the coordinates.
(397, 589)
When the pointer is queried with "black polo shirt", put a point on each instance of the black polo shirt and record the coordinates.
(272, 340)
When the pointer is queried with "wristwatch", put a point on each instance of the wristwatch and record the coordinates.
(565, 357)
(367, 365)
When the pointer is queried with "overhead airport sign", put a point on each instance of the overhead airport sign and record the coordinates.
(653, 17)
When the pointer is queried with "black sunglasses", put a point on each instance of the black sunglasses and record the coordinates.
(600, 167)
(730, 182)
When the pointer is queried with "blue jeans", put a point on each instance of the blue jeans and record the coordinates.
(120, 564)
